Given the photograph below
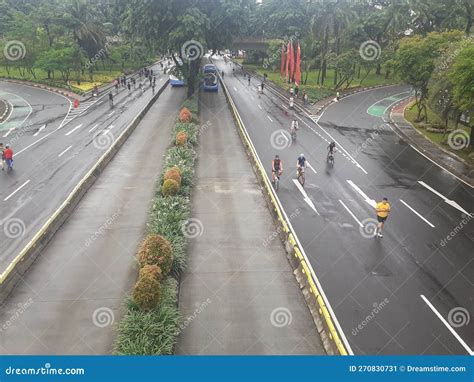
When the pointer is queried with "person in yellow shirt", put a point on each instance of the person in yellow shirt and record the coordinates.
(383, 209)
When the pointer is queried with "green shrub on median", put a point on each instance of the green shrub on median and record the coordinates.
(151, 322)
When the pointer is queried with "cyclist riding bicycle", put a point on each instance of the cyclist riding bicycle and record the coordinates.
(277, 167)
(300, 164)
(294, 125)
(111, 99)
(331, 148)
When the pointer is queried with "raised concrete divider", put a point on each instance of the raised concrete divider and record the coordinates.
(4, 110)
(17, 268)
(326, 322)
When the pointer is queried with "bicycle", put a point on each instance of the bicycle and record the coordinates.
(330, 158)
(301, 176)
(276, 180)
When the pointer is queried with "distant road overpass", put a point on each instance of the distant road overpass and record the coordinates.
(250, 43)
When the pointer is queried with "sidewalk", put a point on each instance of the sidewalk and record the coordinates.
(73, 293)
(238, 294)
(435, 153)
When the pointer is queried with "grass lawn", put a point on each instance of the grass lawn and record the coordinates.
(100, 77)
(440, 139)
(314, 91)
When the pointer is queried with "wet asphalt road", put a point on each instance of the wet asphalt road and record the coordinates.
(54, 145)
(398, 294)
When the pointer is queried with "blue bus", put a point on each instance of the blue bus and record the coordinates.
(211, 83)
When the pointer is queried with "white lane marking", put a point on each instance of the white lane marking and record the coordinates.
(111, 114)
(453, 332)
(260, 107)
(311, 167)
(305, 196)
(7, 133)
(450, 202)
(107, 129)
(235, 89)
(271, 120)
(419, 215)
(98, 103)
(285, 107)
(18, 189)
(64, 152)
(73, 130)
(371, 202)
(94, 127)
(350, 212)
(441, 167)
(39, 131)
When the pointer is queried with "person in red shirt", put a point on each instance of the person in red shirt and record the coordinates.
(8, 156)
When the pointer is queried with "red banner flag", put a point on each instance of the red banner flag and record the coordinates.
(292, 62)
(282, 66)
(288, 54)
(298, 64)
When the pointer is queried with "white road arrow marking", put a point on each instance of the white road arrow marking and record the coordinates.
(73, 130)
(452, 203)
(311, 167)
(305, 196)
(371, 202)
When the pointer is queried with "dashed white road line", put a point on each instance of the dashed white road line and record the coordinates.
(371, 202)
(235, 89)
(453, 332)
(7, 133)
(94, 127)
(18, 189)
(286, 107)
(448, 201)
(107, 129)
(260, 107)
(39, 131)
(73, 130)
(271, 120)
(418, 214)
(64, 152)
(351, 213)
(112, 113)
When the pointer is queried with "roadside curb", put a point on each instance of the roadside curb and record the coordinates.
(326, 323)
(398, 121)
(70, 95)
(20, 264)
(7, 110)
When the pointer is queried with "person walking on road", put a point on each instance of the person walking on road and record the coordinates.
(111, 99)
(305, 98)
(383, 209)
(129, 87)
(297, 89)
(248, 79)
(338, 95)
(8, 157)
